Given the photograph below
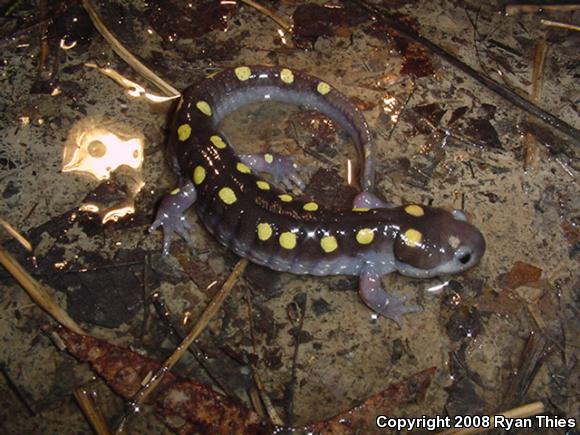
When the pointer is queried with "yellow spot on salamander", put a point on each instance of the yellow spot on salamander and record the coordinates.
(243, 73)
(268, 157)
(287, 240)
(227, 195)
(243, 168)
(285, 197)
(454, 242)
(262, 185)
(183, 132)
(198, 175)
(287, 76)
(217, 141)
(323, 88)
(264, 231)
(175, 191)
(413, 238)
(203, 107)
(360, 209)
(365, 236)
(328, 244)
(310, 206)
(414, 210)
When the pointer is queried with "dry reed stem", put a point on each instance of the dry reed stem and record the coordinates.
(280, 21)
(533, 9)
(16, 235)
(196, 330)
(125, 54)
(38, 292)
(91, 411)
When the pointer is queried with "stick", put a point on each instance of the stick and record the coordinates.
(560, 25)
(197, 329)
(529, 8)
(125, 54)
(91, 411)
(492, 85)
(280, 21)
(38, 292)
(15, 234)
(530, 146)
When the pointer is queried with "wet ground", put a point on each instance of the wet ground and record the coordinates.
(501, 335)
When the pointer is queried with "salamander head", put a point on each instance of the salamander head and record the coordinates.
(436, 242)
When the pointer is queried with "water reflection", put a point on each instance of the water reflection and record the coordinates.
(98, 150)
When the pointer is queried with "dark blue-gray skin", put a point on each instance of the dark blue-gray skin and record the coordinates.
(259, 221)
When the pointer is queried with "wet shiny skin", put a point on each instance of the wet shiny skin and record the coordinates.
(257, 220)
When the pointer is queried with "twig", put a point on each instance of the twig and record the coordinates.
(530, 146)
(91, 411)
(528, 410)
(197, 329)
(492, 85)
(125, 54)
(280, 21)
(10, 7)
(270, 410)
(146, 296)
(560, 25)
(134, 89)
(15, 234)
(263, 396)
(196, 351)
(540, 51)
(43, 53)
(302, 314)
(536, 350)
(20, 395)
(38, 292)
(530, 8)
(401, 109)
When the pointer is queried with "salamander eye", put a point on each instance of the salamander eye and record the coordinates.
(463, 255)
(464, 259)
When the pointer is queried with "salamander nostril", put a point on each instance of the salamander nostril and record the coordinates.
(464, 259)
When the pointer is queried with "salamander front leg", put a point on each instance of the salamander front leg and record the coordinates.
(282, 168)
(377, 299)
(171, 214)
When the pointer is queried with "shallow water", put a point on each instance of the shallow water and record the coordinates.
(441, 139)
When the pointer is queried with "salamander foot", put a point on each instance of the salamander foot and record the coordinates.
(171, 214)
(281, 168)
(377, 299)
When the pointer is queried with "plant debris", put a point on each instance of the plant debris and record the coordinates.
(188, 407)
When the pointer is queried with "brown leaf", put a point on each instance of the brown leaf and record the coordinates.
(520, 274)
(182, 404)
(188, 407)
(361, 419)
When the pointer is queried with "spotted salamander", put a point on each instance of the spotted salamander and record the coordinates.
(258, 220)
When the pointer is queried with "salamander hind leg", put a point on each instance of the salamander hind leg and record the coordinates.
(282, 168)
(366, 200)
(377, 299)
(171, 214)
